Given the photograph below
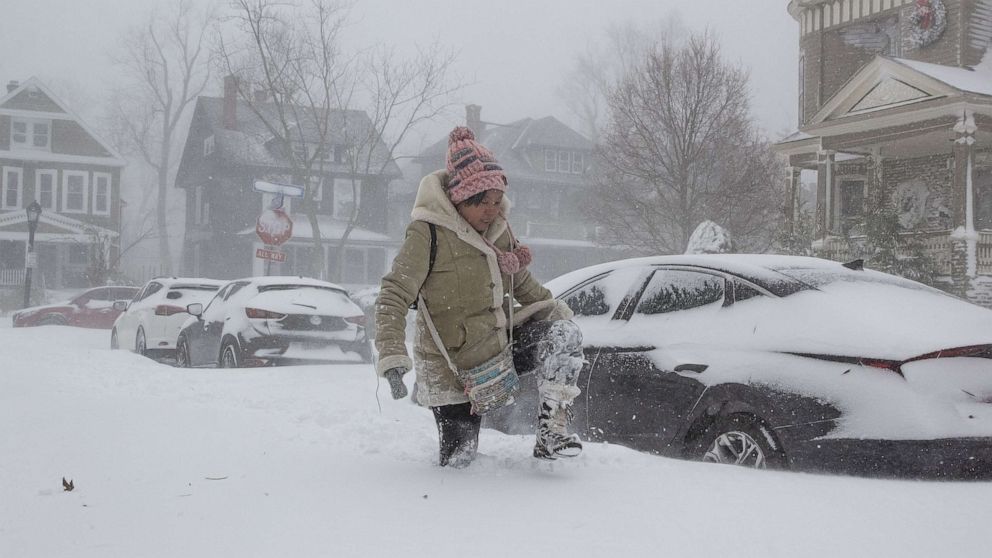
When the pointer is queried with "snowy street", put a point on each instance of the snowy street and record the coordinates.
(299, 461)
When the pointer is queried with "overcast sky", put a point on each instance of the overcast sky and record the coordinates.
(513, 52)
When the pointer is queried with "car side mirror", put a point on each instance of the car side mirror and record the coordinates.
(120, 305)
(195, 309)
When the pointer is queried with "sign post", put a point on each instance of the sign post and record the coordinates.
(274, 227)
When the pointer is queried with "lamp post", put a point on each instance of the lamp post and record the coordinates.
(34, 213)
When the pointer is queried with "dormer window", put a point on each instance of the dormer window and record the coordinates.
(568, 162)
(30, 133)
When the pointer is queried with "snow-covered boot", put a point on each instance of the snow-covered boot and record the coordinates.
(560, 356)
(458, 434)
(553, 439)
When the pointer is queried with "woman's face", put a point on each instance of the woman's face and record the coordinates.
(482, 215)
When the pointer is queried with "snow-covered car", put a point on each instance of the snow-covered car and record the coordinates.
(779, 361)
(259, 321)
(91, 308)
(149, 324)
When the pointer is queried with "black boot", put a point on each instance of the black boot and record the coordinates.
(458, 434)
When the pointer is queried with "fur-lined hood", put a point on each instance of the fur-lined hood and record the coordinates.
(433, 206)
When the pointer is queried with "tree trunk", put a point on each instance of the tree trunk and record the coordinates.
(164, 252)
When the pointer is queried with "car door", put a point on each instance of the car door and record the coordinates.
(595, 303)
(654, 374)
(211, 324)
(99, 311)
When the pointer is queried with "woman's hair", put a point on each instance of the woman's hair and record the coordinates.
(476, 199)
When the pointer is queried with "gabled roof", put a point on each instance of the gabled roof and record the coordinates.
(253, 144)
(34, 98)
(509, 143)
(886, 83)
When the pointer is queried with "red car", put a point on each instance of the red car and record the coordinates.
(92, 308)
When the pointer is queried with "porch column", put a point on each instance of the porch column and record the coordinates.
(824, 192)
(791, 206)
(964, 256)
(875, 196)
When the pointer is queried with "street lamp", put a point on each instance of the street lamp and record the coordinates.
(34, 213)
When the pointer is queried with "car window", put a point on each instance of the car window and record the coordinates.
(744, 292)
(674, 289)
(123, 293)
(235, 287)
(601, 296)
(99, 294)
(149, 290)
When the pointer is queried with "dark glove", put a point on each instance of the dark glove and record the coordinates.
(396, 385)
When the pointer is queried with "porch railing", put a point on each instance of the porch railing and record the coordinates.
(11, 277)
(938, 245)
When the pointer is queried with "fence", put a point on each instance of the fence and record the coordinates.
(11, 277)
(938, 245)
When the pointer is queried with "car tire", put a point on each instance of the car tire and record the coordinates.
(141, 343)
(230, 356)
(182, 353)
(52, 319)
(741, 439)
(114, 343)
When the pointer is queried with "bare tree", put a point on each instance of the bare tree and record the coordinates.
(167, 67)
(324, 107)
(595, 71)
(680, 147)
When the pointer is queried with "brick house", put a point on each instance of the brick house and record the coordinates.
(49, 154)
(228, 148)
(546, 163)
(895, 107)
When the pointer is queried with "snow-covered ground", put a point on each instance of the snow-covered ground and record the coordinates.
(301, 461)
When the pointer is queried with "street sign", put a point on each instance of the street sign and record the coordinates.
(274, 227)
(291, 190)
(32, 260)
(272, 255)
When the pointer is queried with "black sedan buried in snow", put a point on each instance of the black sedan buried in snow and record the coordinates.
(260, 321)
(779, 361)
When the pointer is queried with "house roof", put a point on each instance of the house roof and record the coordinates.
(509, 142)
(252, 142)
(52, 227)
(50, 106)
(973, 80)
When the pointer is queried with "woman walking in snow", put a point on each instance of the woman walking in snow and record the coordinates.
(461, 260)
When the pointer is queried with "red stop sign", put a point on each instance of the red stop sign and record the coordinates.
(274, 227)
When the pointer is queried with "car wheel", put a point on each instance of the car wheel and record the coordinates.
(229, 357)
(53, 319)
(114, 344)
(140, 345)
(741, 439)
(182, 353)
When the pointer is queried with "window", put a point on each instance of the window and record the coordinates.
(44, 181)
(347, 196)
(78, 254)
(982, 179)
(802, 90)
(578, 163)
(550, 160)
(671, 290)
(74, 190)
(601, 296)
(30, 133)
(564, 161)
(12, 188)
(852, 200)
(208, 145)
(101, 193)
(354, 265)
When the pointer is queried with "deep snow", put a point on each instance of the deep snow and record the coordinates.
(300, 461)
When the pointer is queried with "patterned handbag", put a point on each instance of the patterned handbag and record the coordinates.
(490, 385)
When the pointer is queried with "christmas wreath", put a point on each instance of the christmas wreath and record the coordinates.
(927, 22)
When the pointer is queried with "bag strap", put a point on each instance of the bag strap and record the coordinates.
(430, 263)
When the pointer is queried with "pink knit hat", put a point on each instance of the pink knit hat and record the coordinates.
(471, 166)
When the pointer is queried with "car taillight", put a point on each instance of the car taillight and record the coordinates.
(259, 314)
(357, 320)
(168, 310)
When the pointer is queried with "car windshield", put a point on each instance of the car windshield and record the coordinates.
(267, 288)
(184, 291)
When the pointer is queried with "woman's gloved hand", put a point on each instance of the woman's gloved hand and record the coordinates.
(395, 378)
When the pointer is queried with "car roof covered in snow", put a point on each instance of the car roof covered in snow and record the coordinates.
(291, 280)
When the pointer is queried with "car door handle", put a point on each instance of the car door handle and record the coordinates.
(689, 367)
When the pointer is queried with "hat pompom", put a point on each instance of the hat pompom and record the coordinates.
(460, 133)
(508, 262)
(523, 256)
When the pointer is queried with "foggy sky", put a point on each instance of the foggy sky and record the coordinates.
(513, 53)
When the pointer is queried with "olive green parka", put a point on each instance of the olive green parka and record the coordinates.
(465, 293)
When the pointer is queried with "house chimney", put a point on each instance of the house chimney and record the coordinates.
(12, 85)
(473, 119)
(230, 118)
